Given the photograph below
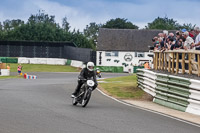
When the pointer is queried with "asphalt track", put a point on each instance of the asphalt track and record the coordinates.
(44, 106)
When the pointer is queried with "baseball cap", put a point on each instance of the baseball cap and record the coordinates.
(183, 30)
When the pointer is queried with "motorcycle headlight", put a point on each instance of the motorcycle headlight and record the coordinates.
(90, 83)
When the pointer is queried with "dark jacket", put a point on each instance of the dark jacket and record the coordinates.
(85, 74)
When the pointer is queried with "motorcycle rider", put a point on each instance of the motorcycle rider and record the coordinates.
(85, 73)
(98, 73)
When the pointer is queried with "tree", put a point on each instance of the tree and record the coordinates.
(65, 24)
(91, 32)
(80, 40)
(41, 17)
(119, 23)
(16, 23)
(7, 25)
(163, 24)
(1, 31)
(168, 24)
(42, 27)
(187, 26)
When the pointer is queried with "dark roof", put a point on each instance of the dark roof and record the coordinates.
(125, 39)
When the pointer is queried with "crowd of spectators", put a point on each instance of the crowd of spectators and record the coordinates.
(182, 39)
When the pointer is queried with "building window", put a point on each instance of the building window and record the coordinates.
(112, 54)
(139, 54)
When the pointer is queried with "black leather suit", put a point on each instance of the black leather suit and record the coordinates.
(85, 74)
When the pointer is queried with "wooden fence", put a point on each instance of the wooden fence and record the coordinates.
(178, 61)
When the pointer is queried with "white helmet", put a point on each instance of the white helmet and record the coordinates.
(90, 66)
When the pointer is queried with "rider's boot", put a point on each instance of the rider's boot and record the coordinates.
(74, 94)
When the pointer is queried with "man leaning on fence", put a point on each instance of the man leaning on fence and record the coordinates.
(188, 44)
(197, 39)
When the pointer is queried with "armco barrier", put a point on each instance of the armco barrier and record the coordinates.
(172, 91)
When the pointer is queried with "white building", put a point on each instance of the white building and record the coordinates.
(124, 47)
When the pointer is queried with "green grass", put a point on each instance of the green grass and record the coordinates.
(10, 77)
(42, 68)
(123, 87)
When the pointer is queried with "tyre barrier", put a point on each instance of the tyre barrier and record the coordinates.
(171, 91)
(4, 72)
(26, 76)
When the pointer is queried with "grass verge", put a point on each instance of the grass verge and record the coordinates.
(39, 68)
(42, 68)
(10, 77)
(124, 88)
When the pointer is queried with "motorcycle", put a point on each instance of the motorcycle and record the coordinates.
(84, 94)
(98, 73)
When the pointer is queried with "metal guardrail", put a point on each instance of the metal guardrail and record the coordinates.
(178, 61)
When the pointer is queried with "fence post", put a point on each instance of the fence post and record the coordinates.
(183, 63)
(189, 63)
(173, 59)
(169, 64)
(159, 67)
(156, 61)
(162, 61)
(165, 61)
(198, 64)
(177, 62)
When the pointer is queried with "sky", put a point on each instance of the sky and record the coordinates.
(80, 13)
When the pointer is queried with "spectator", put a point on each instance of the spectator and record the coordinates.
(8, 66)
(178, 41)
(160, 35)
(183, 30)
(146, 65)
(170, 43)
(160, 44)
(188, 42)
(19, 69)
(192, 34)
(197, 39)
(171, 35)
(155, 42)
(165, 35)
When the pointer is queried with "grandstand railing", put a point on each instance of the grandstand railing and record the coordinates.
(177, 61)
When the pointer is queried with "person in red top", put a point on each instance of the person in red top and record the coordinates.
(19, 68)
(192, 34)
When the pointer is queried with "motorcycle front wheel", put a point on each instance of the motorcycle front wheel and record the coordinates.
(86, 98)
